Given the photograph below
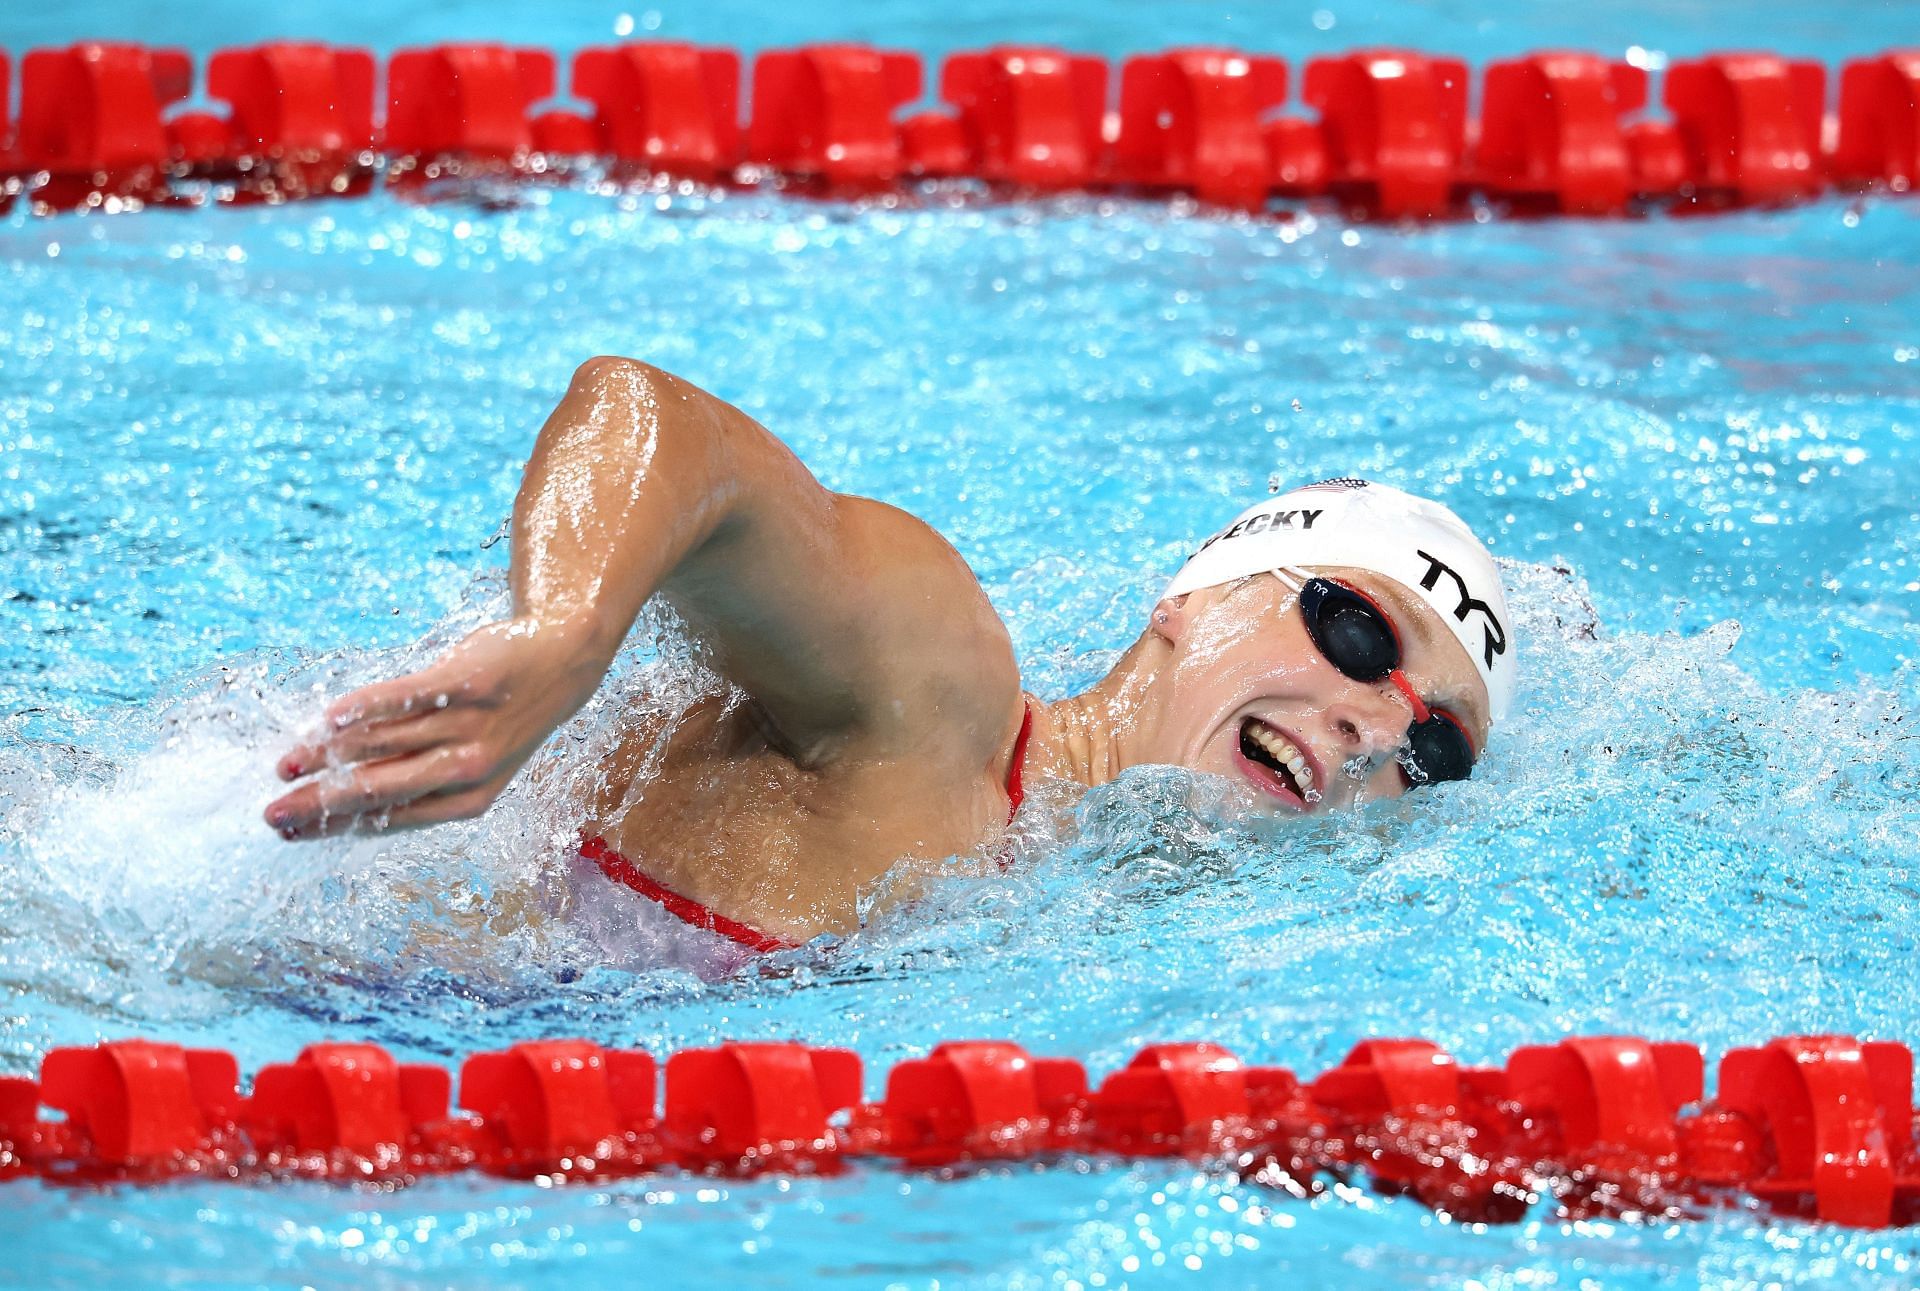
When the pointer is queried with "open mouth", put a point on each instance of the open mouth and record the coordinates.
(1284, 763)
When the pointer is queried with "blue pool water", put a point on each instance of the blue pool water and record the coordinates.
(250, 456)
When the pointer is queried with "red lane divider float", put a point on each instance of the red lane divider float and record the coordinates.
(752, 1107)
(1029, 116)
(9, 163)
(465, 102)
(548, 1101)
(1406, 1113)
(1820, 1127)
(1396, 128)
(1385, 132)
(90, 125)
(300, 124)
(346, 1107)
(662, 106)
(1833, 1121)
(1878, 140)
(825, 113)
(1553, 138)
(976, 1100)
(1751, 125)
(1193, 119)
(133, 1108)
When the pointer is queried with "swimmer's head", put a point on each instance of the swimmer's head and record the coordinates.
(1338, 643)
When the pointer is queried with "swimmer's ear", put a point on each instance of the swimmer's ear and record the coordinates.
(1170, 619)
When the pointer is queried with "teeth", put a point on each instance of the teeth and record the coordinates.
(1284, 753)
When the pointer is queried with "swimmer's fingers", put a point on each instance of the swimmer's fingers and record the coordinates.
(413, 695)
(356, 801)
(383, 720)
(439, 808)
(368, 742)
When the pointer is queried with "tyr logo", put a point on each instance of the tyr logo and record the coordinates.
(1496, 634)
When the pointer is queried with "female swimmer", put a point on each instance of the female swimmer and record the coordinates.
(1339, 643)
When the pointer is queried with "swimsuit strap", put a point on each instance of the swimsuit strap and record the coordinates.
(1016, 791)
(686, 909)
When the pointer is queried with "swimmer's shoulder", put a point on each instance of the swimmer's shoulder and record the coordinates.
(937, 641)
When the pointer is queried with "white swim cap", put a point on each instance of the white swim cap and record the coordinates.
(1419, 544)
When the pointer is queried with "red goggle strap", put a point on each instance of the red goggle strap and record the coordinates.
(1420, 710)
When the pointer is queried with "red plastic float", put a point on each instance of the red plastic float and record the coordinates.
(296, 100)
(755, 1106)
(825, 112)
(1195, 119)
(567, 1102)
(301, 121)
(1750, 125)
(1297, 150)
(1172, 1100)
(934, 145)
(1611, 1102)
(1403, 1078)
(1836, 1124)
(465, 101)
(1661, 168)
(136, 1106)
(1551, 134)
(974, 1099)
(665, 106)
(202, 142)
(344, 1102)
(560, 136)
(90, 119)
(9, 164)
(1879, 136)
(1028, 115)
(19, 1123)
(1422, 1125)
(1395, 123)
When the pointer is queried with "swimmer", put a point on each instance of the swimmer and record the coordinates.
(1337, 644)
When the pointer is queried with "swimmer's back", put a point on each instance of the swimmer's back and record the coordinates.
(707, 807)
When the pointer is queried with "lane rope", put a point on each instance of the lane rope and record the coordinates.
(1383, 132)
(1820, 1127)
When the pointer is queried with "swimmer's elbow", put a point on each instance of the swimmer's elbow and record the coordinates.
(607, 373)
(608, 382)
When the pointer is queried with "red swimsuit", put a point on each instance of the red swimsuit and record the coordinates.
(625, 872)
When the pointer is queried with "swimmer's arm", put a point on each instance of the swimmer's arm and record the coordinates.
(813, 602)
(835, 613)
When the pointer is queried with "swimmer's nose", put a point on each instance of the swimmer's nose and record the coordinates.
(1366, 719)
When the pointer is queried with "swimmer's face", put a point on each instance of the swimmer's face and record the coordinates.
(1248, 695)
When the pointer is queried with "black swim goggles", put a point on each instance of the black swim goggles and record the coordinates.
(1358, 638)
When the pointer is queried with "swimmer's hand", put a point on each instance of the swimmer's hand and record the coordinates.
(440, 744)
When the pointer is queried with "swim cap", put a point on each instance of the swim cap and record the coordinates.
(1419, 544)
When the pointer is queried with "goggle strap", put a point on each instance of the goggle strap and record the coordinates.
(1420, 711)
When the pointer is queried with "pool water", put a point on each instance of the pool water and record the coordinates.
(249, 457)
